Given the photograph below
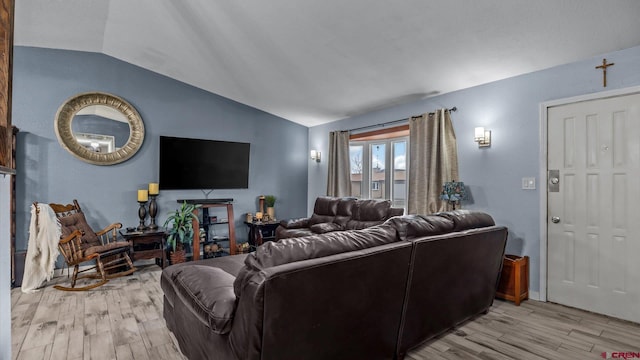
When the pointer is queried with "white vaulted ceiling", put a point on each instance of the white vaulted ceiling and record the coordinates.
(314, 61)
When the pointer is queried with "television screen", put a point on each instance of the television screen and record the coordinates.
(203, 164)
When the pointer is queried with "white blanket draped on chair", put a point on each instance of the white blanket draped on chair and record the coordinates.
(42, 250)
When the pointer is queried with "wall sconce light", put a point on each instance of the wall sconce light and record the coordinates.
(482, 137)
(315, 155)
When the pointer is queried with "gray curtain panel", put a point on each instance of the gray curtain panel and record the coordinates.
(339, 174)
(433, 161)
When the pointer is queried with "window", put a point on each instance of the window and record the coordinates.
(399, 174)
(355, 154)
(376, 163)
(378, 169)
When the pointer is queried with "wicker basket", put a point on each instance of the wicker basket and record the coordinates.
(178, 257)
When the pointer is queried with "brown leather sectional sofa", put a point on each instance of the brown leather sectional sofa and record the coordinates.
(373, 293)
(335, 214)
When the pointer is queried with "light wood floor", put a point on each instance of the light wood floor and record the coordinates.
(123, 320)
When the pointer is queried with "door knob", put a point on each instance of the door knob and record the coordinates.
(555, 219)
(555, 181)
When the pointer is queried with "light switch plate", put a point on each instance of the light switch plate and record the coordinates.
(528, 183)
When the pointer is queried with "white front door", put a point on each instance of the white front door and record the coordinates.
(593, 220)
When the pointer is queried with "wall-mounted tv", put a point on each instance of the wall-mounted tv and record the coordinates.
(203, 164)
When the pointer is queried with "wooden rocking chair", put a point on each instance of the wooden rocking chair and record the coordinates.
(79, 244)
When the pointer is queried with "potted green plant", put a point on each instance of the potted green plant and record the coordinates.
(181, 231)
(270, 201)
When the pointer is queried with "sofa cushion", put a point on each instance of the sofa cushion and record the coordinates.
(331, 209)
(371, 210)
(310, 247)
(395, 212)
(77, 221)
(320, 219)
(344, 211)
(208, 292)
(295, 223)
(467, 219)
(284, 233)
(359, 225)
(429, 225)
(367, 213)
(326, 205)
(414, 226)
(229, 264)
(104, 248)
(326, 227)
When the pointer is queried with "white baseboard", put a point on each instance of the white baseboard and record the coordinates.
(534, 295)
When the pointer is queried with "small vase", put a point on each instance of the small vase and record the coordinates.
(271, 211)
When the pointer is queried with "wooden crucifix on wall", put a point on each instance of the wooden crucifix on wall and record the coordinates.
(604, 67)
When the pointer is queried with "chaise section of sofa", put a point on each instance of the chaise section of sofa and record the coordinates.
(455, 269)
(191, 293)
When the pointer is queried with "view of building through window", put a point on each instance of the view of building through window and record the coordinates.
(377, 163)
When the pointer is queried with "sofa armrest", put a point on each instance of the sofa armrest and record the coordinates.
(467, 219)
(208, 291)
(295, 223)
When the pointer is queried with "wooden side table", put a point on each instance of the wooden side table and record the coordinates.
(147, 244)
(514, 280)
(261, 231)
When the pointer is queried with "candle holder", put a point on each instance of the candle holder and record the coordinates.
(153, 211)
(142, 214)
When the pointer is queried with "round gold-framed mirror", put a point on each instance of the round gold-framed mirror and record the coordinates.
(99, 128)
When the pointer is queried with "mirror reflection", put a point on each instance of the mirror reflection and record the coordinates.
(100, 128)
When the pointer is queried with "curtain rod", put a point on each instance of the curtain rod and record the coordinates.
(453, 109)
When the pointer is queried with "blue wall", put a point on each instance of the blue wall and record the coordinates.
(43, 79)
(511, 110)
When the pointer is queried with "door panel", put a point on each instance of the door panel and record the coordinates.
(594, 250)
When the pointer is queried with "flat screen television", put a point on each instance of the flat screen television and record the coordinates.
(203, 164)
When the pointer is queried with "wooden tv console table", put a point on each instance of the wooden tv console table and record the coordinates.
(208, 203)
